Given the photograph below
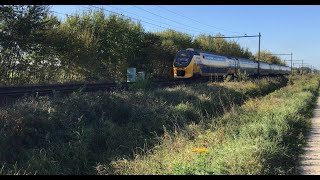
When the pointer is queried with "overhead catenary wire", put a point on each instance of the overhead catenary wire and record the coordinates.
(200, 22)
(235, 36)
(68, 15)
(126, 16)
(140, 33)
(152, 23)
(117, 14)
(201, 30)
(101, 8)
(153, 20)
(176, 21)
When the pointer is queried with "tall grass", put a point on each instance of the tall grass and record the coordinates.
(263, 136)
(82, 133)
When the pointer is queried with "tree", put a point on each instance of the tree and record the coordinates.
(171, 42)
(221, 46)
(22, 32)
(267, 56)
(100, 47)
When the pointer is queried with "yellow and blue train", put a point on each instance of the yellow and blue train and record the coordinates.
(192, 63)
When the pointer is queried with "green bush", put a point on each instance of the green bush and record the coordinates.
(227, 78)
(241, 76)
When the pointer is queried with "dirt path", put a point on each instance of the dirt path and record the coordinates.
(310, 164)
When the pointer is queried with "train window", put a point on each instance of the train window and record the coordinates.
(196, 53)
(183, 58)
(214, 57)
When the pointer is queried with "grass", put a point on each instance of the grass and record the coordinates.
(263, 136)
(85, 132)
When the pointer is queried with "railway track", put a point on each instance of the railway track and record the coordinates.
(10, 93)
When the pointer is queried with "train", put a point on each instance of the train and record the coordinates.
(193, 63)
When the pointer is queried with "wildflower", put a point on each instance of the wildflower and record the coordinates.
(50, 109)
(200, 150)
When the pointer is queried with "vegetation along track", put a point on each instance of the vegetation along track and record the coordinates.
(78, 133)
(263, 136)
(10, 93)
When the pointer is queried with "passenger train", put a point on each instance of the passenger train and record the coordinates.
(191, 63)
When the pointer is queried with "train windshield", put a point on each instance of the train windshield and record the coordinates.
(183, 58)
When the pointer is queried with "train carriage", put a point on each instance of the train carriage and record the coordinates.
(194, 63)
(275, 69)
(214, 64)
(264, 68)
(248, 66)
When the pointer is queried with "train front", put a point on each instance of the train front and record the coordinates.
(183, 64)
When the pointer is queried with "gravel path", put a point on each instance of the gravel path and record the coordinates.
(310, 164)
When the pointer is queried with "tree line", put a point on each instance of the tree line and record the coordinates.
(37, 47)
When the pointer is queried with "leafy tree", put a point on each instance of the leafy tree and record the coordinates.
(221, 46)
(99, 46)
(22, 30)
(171, 42)
(151, 56)
(267, 56)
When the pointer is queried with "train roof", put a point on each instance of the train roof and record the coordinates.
(229, 57)
(197, 51)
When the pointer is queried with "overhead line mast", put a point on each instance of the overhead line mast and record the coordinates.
(242, 37)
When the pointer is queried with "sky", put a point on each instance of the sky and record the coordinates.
(284, 29)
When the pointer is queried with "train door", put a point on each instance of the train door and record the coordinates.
(237, 65)
(232, 65)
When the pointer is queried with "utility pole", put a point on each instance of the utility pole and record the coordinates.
(291, 63)
(242, 37)
(284, 54)
(288, 60)
(302, 68)
(259, 55)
